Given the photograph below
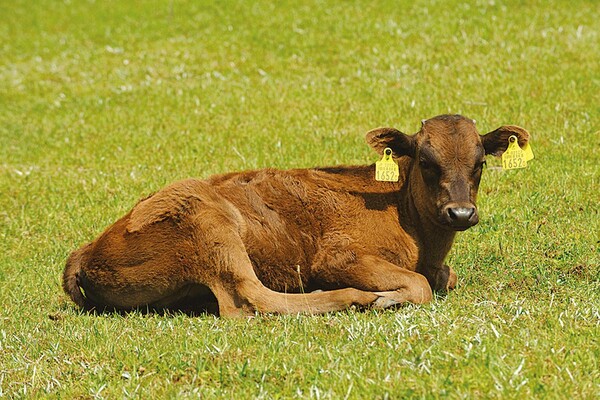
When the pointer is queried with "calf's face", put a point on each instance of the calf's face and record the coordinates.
(448, 157)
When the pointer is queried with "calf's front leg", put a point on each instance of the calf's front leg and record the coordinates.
(441, 279)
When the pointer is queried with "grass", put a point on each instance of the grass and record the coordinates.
(102, 103)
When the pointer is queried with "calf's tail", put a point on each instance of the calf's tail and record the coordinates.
(71, 277)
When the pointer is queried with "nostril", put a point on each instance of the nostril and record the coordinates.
(451, 213)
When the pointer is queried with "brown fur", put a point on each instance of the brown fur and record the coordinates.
(262, 240)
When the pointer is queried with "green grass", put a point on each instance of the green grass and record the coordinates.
(102, 103)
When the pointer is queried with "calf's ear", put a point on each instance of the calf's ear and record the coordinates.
(400, 143)
(496, 141)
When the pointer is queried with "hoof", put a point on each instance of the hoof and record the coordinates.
(452, 280)
(384, 302)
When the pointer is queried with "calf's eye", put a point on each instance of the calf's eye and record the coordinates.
(428, 165)
(424, 164)
(430, 171)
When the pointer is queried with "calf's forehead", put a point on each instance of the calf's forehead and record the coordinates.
(452, 137)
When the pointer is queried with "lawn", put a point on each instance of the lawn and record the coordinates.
(102, 103)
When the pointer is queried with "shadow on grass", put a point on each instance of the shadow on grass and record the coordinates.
(191, 307)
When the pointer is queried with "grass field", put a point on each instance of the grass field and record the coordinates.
(102, 103)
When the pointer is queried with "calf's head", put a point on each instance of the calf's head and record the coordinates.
(448, 155)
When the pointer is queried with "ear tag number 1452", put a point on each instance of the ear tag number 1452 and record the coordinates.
(386, 169)
(515, 157)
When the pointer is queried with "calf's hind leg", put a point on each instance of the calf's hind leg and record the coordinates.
(224, 266)
(373, 274)
(239, 292)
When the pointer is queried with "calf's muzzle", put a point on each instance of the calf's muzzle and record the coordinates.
(460, 216)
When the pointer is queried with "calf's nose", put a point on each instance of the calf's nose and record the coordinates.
(461, 217)
(461, 214)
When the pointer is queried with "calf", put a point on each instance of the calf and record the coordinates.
(303, 240)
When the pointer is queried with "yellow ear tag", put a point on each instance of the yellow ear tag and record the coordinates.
(386, 169)
(514, 157)
(528, 152)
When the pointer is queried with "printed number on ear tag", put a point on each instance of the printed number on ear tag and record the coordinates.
(386, 169)
(514, 157)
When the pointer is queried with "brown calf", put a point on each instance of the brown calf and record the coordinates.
(305, 240)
